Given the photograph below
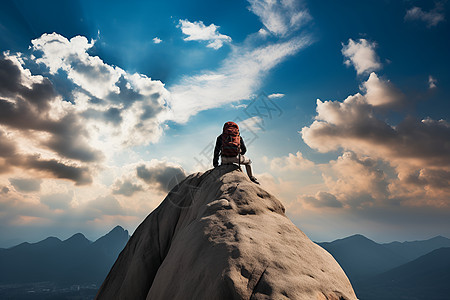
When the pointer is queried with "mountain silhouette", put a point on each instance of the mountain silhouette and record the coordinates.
(415, 249)
(426, 278)
(112, 243)
(361, 257)
(217, 235)
(75, 260)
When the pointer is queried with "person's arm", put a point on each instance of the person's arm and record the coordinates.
(243, 148)
(217, 151)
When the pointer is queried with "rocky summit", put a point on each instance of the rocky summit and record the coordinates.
(218, 236)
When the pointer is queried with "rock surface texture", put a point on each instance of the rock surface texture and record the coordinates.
(219, 236)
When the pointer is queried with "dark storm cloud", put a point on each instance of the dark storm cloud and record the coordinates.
(439, 179)
(65, 133)
(111, 115)
(12, 158)
(90, 71)
(29, 111)
(406, 164)
(56, 122)
(38, 95)
(19, 115)
(126, 188)
(425, 139)
(9, 77)
(353, 125)
(7, 147)
(81, 175)
(26, 184)
(66, 140)
(150, 111)
(126, 95)
(165, 177)
(8, 153)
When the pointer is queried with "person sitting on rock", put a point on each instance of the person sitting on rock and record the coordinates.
(230, 146)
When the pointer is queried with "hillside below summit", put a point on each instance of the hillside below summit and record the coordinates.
(217, 235)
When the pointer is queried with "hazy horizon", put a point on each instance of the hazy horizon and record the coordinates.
(94, 238)
(343, 107)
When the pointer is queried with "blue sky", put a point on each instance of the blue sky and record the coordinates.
(93, 92)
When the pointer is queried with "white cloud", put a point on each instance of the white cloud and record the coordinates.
(353, 125)
(431, 18)
(356, 180)
(432, 82)
(70, 136)
(280, 17)
(254, 124)
(240, 74)
(415, 150)
(361, 54)
(134, 103)
(262, 32)
(238, 106)
(276, 96)
(83, 134)
(321, 200)
(291, 162)
(381, 93)
(197, 31)
(87, 71)
(157, 40)
(237, 79)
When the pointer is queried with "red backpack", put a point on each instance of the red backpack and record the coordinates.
(231, 140)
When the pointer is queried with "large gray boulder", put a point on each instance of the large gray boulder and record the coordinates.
(218, 236)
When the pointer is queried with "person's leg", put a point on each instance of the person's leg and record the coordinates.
(247, 162)
(249, 170)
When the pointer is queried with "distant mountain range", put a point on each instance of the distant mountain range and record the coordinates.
(391, 271)
(427, 277)
(408, 270)
(362, 258)
(73, 261)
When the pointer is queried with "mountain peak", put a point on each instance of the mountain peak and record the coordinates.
(116, 233)
(50, 241)
(77, 239)
(439, 238)
(358, 237)
(77, 236)
(229, 236)
(118, 230)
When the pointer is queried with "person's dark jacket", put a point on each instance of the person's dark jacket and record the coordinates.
(218, 149)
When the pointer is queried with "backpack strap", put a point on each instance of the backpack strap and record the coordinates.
(239, 155)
